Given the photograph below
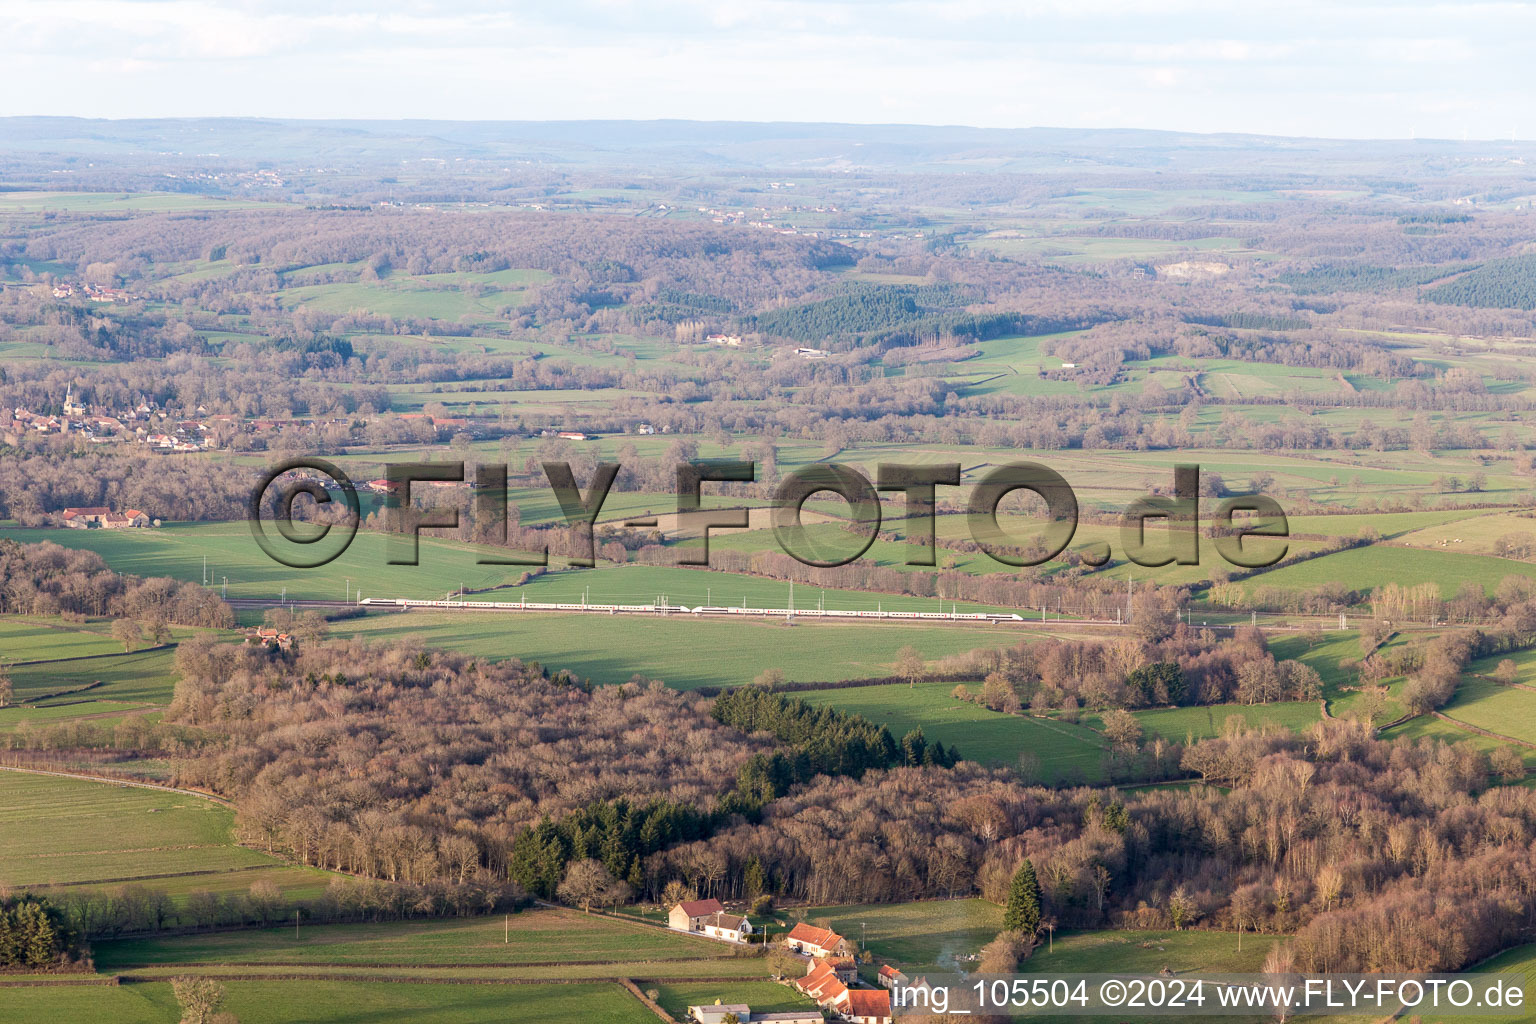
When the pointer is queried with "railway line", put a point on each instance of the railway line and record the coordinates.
(664, 609)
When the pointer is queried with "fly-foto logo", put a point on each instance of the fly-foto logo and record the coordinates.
(1252, 541)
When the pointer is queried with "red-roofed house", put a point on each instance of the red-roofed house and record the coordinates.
(812, 941)
(822, 984)
(689, 916)
(866, 1006)
(128, 517)
(844, 967)
(266, 636)
(83, 518)
(100, 515)
(889, 977)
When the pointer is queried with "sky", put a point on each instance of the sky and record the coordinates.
(1338, 69)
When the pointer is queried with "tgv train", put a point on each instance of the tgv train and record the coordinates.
(663, 608)
(835, 613)
(531, 606)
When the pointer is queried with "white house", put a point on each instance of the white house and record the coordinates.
(726, 926)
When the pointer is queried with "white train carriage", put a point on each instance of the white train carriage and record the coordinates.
(531, 606)
(841, 613)
(666, 609)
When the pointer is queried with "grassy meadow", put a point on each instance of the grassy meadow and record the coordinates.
(72, 832)
(1136, 952)
(926, 934)
(529, 938)
(1064, 752)
(333, 1002)
(685, 652)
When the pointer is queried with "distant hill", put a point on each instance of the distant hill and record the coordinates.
(727, 144)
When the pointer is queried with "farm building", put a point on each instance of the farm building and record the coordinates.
(726, 926)
(715, 1013)
(265, 636)
(817, 942)
(866, 1006)
(690, 915)
(827, 987)
(105, 518)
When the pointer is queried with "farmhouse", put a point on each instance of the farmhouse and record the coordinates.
(726, 926)
(729, 340)
(101, 516)
(690, 915)
(268, 637)
(889, 977)
(824, 984)
(816, 942)
(715, 1013)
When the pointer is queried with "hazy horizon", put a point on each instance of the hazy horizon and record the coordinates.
(784, 122)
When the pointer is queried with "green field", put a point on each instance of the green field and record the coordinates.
(71, 831)
(1519, 962)
(177, 550)
(1475, 536)
(612, 648)
(99, 711)
(831, 538)
(1387, 524)
(1175, 724)
(140, 677)
(927, 934)
(1366, 568)
(1428, 727)
(642, 584)
(101, 202)
(535, 937)
(1065, 752)
(36, 639)
(334, 1002)
(429, 297)
(1136, 952)
(1506, 710)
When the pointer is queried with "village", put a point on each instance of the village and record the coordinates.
(831, 978)
(145, 424)
(167, 431)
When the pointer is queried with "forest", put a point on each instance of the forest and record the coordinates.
(1332, 751)
(1333, 835)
